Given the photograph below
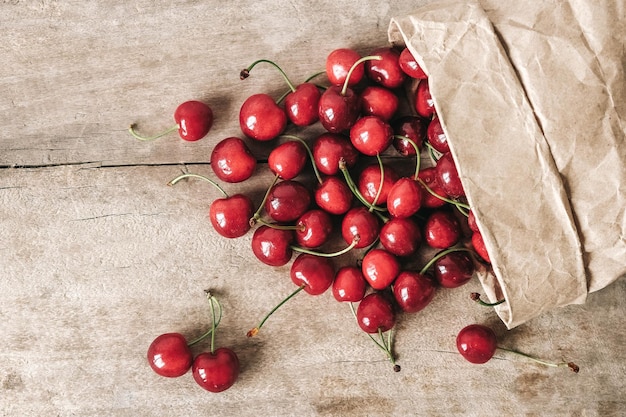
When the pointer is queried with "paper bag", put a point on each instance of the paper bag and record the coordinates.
(532, 96)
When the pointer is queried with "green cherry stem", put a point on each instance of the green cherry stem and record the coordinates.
(347, 249)
(571, 365)
(257, 215)
(309, 152)
(385, 346)
(440, 255)
(344, 89)
(382, 181)
(476, 297)
(455, 203)
(136, 135)
(418, 159)
(202, 177)
(254, 331)
(245, 73)
(215, 321)
(353, 187)
(434, 153)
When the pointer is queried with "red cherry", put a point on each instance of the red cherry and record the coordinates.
(360, 223)
(260, 118)
(385, 71)
(442, 230)
(169, 355)
(334, 196)
(454, 269)
(479, 246)
(371, 135)
(338, 110)
(436, 136)
(272, 246)
(404, 198)
(302, 104)
(429, 176)
(338, 64)
(349, 284)
(230, 216)
(194, 120)
(313, 228)
(379, 101)
(409, 65)
(424, 104)
(448, 176)
(375, 313)
(329, 149)
(232, 161)
(380, 268)
(414, 128)
(476, 343)
(369, 183)
(217, 371)
(316, 273)
(287, 200)
(471, 221)
(401, 236)
(288, 159)
(413, 291)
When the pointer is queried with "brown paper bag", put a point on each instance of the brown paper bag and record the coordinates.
(532, 96)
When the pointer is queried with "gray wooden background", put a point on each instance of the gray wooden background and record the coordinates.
(98, 256)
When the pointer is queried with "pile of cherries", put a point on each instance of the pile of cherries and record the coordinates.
(358, 184)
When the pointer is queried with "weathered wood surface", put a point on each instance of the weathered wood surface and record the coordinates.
(98, 256)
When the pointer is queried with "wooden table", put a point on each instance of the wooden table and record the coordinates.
(98, 256)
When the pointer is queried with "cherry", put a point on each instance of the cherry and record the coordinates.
(404, 198)
(338, 65)
(442, 230)
(375, 313)
(334, 196)
(477, 343)
(260, 118)
(194, 120)
(424, 104)
(313, 228)
(371, 135)
(272, 246)
(287, 200)
(436, 136)
(380, 268)
(232, 161)
(302, 104)
(379, 101)
(479, 246)
(288, 159)
(409, 65)
(369, 183)
(454, 269)
(329, 149)
(385, 71)
(338, 109)
(401, 236)
(413, 290)
(471, 221)
(428, 180)
(169, 355)
(315, 273)
(448, 176)
(362, 223)
(229, 215)
(216, 371)
(349, 284)
(407, 128)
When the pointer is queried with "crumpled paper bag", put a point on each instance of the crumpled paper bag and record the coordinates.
(532, 97)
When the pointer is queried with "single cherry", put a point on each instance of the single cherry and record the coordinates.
(479, 246)
(216, 371)
(375, 313)
(413, 291)
(349, 284)
(448, 176)
(385, 71)
(260, 118)
(424, 104)
(334, 196)
(436, 136)
(330, 148)
(401, 236)
(288, 159)
(315, 273)
(380, 268)
(409, 65)
(232, 161)
(272, 246)
(435, 197)
(404, 198)
(169, 355)
(369, 183)
(407, 128)
(371, 135)
(313, 228)
(194, 120)
(338, 109)
(287, 200)
(454, 269)
(379, 101)
(442, 229)
(471, 221)
(360, 222)
(477, 343)
(338, 64)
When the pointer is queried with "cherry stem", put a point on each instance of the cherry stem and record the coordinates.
(434, 153)
(353, 67)
(257, 215)
(299, 228)
(136, 135)
(418, 159)
(476, 297)
(385, 346)
(202, 177)
(355, 241)
(309, 152)
(457, 204)
(254, 331)
(317, 74)
(441, 255)
(245, 73)
(353, 187)
(570, 365)
(214, 323)
(382, 180)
